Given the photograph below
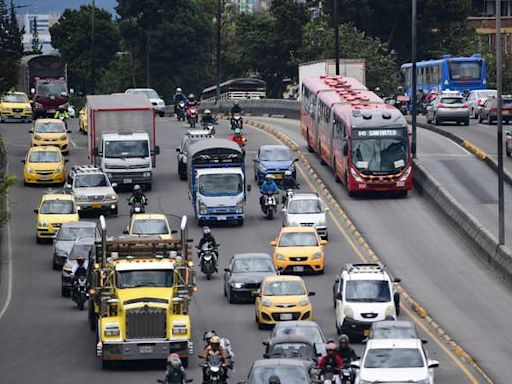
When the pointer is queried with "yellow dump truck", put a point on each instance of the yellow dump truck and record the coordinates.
(139, 297)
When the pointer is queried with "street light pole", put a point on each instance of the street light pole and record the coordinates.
(336, 36)
(93, 49)
(218, 17)
(414, 78)
(501, 191)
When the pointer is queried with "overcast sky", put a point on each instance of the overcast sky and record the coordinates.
(47, 6)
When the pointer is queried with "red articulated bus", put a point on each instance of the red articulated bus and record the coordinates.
(366, 142)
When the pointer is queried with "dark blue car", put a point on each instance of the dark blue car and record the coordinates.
(274, 160)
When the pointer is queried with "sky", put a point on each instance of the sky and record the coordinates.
(58, 6)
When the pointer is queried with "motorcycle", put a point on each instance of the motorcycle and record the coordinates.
(236, 121)
(288, 194)
(167, 382)
(79, 292)
(180, 111)
(508, 143)
(192, 116)
(208, 259)
(137, 207)
(209, 126)
(214, 368)
(269, 205)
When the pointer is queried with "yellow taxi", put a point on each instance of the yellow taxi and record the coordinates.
(44, 165)
(149, 224)
(15, 106)
(299, 249)
(282, 298)
(53, 210)
(82, 120)
(50, 132)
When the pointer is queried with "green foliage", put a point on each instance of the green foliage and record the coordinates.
(11, 48)
(119, 75)
(71, 35)
(37, 47)
(6, 181)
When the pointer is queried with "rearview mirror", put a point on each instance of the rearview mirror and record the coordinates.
(226, 269)
(323, 242)
(36, 210)
(311, 293)
(433, 363)
(114, 185)
(273, 243)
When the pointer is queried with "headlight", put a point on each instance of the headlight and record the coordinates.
(179, 328)
(266, 303)
(280, 257)
(112, 197)
(202, 208)
(348, 311)
(112, 329)
(240, 207)
(316, 256)
(406, 174)
(390, 311)
(43, 224)
(146, 174)
(63, 137)
(30, 170)
(355, 175)
(81, 198)
(59, 170)
(38, 105)
(37, 137)
(28, 109)
(304, 302)
(237, 285)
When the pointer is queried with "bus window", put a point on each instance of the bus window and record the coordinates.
(465, 70)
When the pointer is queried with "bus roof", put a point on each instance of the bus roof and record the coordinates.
(323, 82)
(444, 58)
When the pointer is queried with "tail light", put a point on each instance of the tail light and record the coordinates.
(465, 105)
(440, 105)
(494, 110)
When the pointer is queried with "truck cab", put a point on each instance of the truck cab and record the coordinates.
(49, 94)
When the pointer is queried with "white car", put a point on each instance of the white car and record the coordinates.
(364, 294)
(477, 99)
(394, 361)
(153, 97)
(306, 210)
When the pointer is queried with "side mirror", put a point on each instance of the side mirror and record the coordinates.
(31, 131)
(67, 186)
(178, 150)
(249, 187)
(311, 293)
(173, 231)
(327, 209)
(295, 160)
(255, 293)
(323, 242)
(396, 298)
(265, 342)
(345, 149)
(114, 185)
(273, 243)
(125, 231)
(339, 296)
(433, 363)
(71, 90)
(265, 355)
(64, 94)
(23, 161)
(255, 160)
(424, 341)
(397, 280)
(96, 151)
(66, 160)
(227, 270)
(157, 150)
(355, 364)
(36, 210)
(283, 210)
(32, 90)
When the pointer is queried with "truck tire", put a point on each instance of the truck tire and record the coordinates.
(184, 362)
(148, 186)
(508, 152)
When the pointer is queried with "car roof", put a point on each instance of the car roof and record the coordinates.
(278, 362)
(298, 229)
(80, 224)
(149, 216)
(44, 148)
(305, 196)
(57, 196)
(393, 324)
(273, 146)
(297, 323)
(250, 255)
(295, 338)
(49, 120)
(393, 343)
(283, 278)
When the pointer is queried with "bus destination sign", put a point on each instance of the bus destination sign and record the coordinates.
(370, 133)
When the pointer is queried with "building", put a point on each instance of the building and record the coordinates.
(44, 22)
(484, 23)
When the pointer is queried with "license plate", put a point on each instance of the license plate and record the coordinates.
(298, 268)
(278, 176)
(127, 181)
(221, 218)
(506, 112)
(51, 111)
(285, 316)
(17, 116)
(44, 177)
(96, 205)
(145, 349)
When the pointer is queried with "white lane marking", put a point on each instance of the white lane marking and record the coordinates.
(9, 256)
(457, 145)
(73, 144)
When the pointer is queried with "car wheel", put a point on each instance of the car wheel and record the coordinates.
(105, 364)
(55, 266)
(436, 120)
(230, 296)
(39, 240)
(466, 122)
(161, 114)
(64, 292)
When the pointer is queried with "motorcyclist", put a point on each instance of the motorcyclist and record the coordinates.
(208, 117)
(207, 337)
(378, 92)
(236, 108)
(63, 114)
(191, 100)
(138, 196)
(238, 138)
(330, 361)
(212, 350)
(178, 96)
(288, 182)
(274, 379)
(344, 351)
(175, 374)
(268, 187)
(207, 238)
(420, 96)
(80, 268)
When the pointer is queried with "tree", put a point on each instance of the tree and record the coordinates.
(71, 35)
(37, 47)
(11, 48)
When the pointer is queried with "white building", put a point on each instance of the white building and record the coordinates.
(44, 22)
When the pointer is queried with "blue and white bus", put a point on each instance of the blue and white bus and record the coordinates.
(448, 72)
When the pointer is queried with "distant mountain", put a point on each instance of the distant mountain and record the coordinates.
(58, 6)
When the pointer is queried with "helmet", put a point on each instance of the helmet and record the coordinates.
(274, 379)
(377, 89)
(191, 96)
(136, 188)
(80, 260)
(215, 340)
(206, 230)
(269, 177)
(207, 112)
(330, 346)
(399, 88)
(208, 336)
(344, 339)
(288, 173)
(179, 90)
(420, 89)
(237, 131)
(235, 102)
(174, 360)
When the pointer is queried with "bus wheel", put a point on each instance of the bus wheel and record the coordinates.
(310, 148)
(336, 177)
(320, 153)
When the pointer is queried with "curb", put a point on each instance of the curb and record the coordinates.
(405, 296)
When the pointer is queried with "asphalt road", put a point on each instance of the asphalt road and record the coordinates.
(437, 266)
(45, 338)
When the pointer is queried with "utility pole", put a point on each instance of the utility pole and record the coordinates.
(336, 36)
(414, 78)
(218, 19)
(93, 50)
(501, 191)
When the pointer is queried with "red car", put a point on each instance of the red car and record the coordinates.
(489, 110)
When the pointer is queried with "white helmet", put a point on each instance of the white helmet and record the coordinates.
(206, 230)
(288, 173)
(179, 90)
(269, 177)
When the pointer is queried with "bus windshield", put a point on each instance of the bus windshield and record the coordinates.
(465, 70)
(387, 154)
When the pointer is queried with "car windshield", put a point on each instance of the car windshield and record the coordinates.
(149, 93)
(45, 157)
(57, 207)
(298, 239)
(381, 154)
(144, 278)
(394, 332)
(368, 291)
(252, 265)
(465, 70)
(50, 127)
(284, 288)
(292, 351)
(82, 250)
(126, 149)
(218, 184)
(451, 100)
(312, 333)
(150, 227)
(51, 89)
(74, 233)
(393, 358)
(93, 180)
(305, 206)
(276, 154)
(15, 99)
(287, 375)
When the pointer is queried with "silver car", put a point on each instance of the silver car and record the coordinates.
(448, 108)
(306, 210)
(477, 99)
(68, 234)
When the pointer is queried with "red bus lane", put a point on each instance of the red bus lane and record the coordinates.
(366, 142)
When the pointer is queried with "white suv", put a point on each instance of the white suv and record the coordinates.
(394, 361)
(306, 210)
(362, 295)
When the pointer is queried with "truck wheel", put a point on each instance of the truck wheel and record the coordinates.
(509, 152)
(105, 364)
(148, 186)
(64, 292)
(184, 362)
(161, 114)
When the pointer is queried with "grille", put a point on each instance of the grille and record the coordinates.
(252, 285)
(220, 209)
(44, 172)
(96, 197)
(145, 323)
(17, 109)
(298, 258)
(369, 315)
(277, 316)
(285, 305)
(306, 224)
